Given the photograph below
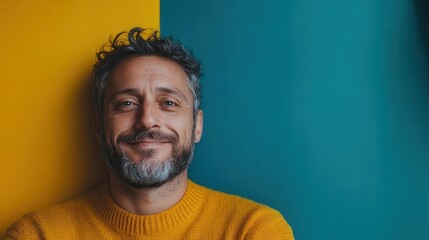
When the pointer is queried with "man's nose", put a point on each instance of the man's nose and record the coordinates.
(148, 116)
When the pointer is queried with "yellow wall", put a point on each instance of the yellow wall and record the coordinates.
(48, 151)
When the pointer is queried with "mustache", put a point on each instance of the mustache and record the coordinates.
(140, 134)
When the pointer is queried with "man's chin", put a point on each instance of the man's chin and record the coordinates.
(151, 180)
(140, 185)
(148, 168)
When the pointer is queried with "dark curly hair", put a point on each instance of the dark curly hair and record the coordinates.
(143, 42)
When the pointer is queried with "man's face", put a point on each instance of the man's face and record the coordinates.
(149, 130)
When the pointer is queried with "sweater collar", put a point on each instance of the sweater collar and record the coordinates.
(187, 208)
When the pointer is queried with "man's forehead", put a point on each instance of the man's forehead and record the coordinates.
(158, 74)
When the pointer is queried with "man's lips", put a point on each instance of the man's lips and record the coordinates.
(148, 142)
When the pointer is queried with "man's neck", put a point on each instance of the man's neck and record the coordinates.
(145, 201)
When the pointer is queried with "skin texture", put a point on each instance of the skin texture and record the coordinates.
(150, 93)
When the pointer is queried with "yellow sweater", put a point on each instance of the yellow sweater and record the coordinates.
(201, 214)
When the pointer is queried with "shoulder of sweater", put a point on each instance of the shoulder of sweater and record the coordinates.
(258, 221)
(63, 211)
(231, 199)
(73, 205)
(234, 202)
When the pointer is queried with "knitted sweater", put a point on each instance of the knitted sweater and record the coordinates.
(201, 214)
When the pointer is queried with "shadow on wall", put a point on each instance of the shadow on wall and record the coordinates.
(422, 13)
(89, 165)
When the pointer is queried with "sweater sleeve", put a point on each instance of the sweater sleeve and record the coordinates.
(26, 228)
(269, 224)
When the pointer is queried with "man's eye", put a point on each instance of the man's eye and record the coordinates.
(169, 103)
(126, 103)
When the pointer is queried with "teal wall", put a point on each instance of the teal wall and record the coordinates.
(319, 109)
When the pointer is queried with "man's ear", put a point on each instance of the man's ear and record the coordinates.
(198, 126)
(97, 126)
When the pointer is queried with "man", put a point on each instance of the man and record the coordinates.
(147, 95)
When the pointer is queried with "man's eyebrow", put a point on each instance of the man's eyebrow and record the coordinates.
(131, 91)
(171, 91)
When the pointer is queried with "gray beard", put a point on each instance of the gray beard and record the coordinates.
(151, 173)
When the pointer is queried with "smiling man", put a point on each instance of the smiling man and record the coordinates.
(147, 94)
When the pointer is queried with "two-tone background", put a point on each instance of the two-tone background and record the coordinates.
(319, 109)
